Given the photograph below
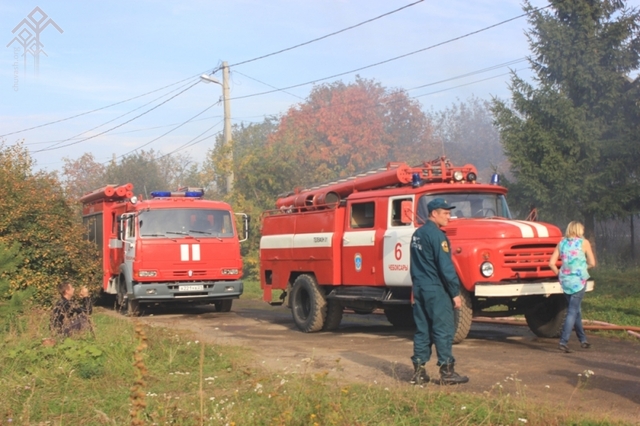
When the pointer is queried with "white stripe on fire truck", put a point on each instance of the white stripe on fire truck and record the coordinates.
(195, 252)
(283, 241)
(542, 230)
(525, 230)
(184, 252)
(359, 238)
(320, 239)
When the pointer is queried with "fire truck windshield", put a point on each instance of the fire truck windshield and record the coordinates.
(468, 205)
(202, 223)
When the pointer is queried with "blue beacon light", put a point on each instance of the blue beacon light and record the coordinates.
(415, 180)
(495, 179)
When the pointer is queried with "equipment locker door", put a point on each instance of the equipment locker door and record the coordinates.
(359, 259)
(397, 240)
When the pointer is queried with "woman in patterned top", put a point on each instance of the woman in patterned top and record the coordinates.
(576, 255)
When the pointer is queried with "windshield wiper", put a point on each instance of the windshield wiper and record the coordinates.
(153, 235)
(200, 232)
(177, 232)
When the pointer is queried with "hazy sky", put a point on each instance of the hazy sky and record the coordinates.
(111, 51)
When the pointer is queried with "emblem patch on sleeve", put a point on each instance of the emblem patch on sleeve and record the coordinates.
(445, 246)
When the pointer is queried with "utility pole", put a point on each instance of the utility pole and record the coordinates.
(227, 122)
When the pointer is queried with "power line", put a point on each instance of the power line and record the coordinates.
(101, 108)
(480, 71)
(142, 129)
(266, 84)
(326, 36)
(175, 128)
(107, 122)
(462, 85)
(121, 124)
(191, 142)
(392, 59)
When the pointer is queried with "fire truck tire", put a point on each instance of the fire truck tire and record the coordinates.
(121, 295)
(223, 305)
(308, 304)
(126, 305)
(463, 317)
(133, 308)
(546, 317)
(334, 315)
(400, 316)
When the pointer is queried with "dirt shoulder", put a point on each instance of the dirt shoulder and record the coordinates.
(367, 349)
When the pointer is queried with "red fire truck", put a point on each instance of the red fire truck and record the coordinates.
(173, 247)
(345, 245)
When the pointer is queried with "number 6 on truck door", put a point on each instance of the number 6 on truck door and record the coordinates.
(397, 237)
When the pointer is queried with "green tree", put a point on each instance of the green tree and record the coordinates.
(558, 133)
(259, 174)
(35, 214)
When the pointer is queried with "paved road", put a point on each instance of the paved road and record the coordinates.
(366, 348)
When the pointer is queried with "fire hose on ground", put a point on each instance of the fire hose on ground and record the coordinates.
(587, 324)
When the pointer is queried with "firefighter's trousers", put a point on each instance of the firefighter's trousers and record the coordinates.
(433, 314)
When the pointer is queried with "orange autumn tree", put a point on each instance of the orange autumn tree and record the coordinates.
(35, 217)
(343, 129)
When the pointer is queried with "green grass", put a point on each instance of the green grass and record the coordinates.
(93, 381)
(616, 297)
(251, 290)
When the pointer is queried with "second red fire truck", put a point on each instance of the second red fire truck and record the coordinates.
(345, 245)
(173, 247)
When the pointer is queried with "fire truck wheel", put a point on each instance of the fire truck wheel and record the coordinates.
(133, 308)
(546, 317)
(463, 317)
(308, 305)
(334, 315)
(400, 316)
(126, 305)
(223, 305)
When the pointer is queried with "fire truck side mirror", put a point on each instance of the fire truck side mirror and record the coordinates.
(406, 210)
(245, 225)
(121, 221)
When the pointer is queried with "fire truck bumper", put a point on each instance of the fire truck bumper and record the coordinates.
(515, 289)
(181, 292)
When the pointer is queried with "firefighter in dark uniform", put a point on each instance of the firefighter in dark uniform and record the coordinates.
(436, 293)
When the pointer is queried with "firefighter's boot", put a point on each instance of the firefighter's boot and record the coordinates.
(420, 376)
(448, 376)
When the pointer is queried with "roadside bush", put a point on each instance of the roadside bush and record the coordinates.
(35, 214)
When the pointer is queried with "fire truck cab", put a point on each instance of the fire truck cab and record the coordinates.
(345, 245)
(173, 247)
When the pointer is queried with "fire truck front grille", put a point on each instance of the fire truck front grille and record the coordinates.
(528, 257)
(185, 274)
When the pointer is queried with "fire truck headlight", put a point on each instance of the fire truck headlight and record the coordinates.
(486, 269)
(147, 273)
(229, 272)
(458, 176)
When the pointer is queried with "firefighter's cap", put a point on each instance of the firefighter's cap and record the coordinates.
(439, 203)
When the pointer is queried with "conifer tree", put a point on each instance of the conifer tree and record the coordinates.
(564, 132)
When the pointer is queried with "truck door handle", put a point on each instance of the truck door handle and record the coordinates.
(345, 239)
